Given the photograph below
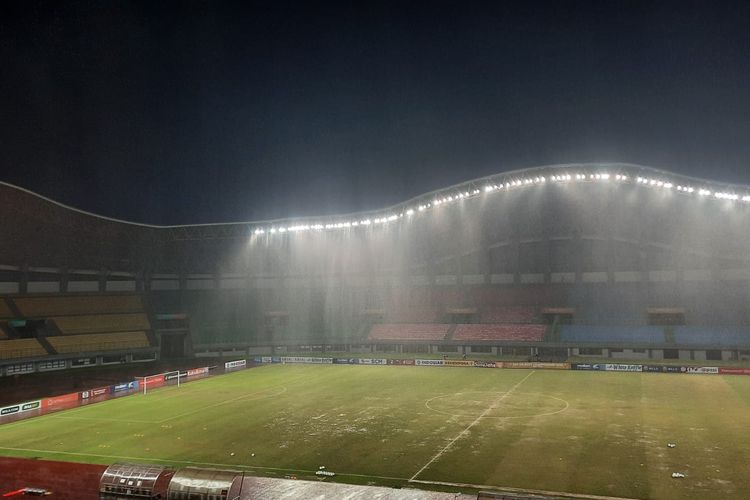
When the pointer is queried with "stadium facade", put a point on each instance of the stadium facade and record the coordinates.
(594, 260)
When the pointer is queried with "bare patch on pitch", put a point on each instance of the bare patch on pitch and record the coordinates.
(485, 404)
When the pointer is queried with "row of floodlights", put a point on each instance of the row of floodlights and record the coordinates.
(489, 188)
(690, 189)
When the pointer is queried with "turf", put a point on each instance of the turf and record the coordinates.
(580, 432)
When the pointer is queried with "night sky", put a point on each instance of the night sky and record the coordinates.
(192, 112)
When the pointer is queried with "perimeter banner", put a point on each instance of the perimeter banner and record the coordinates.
(63, 400)
(484, 364)
(235, 365)
(20, 407)
(458, 362)
(587, 366)
(536, 365)
(401, 362)
(612, 367)
(703, 370)
(306, 359)
(370, 361)
(197, 371)
(734, 371)
(429, 362)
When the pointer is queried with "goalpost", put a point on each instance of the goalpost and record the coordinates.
(159, 380)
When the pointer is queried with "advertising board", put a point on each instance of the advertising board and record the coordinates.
(235, 365)
(197, 371)
(734, 371)
(20, 407)
(371, 361)
(458, 362)
(484, 364)
(586, 366)
(63, 400)
(401, 362)
(429, 362)
(616, 367)
(703, 370)
(535, 365)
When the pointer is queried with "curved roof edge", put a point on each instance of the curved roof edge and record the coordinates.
(470, 188)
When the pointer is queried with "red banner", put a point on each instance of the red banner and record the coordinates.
(734, 371)
(197, 371)
(154, 381)
(64, 400)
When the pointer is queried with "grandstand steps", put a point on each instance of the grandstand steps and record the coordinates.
(42, 338)
(669, 335)
(451, 330)
(13, 308)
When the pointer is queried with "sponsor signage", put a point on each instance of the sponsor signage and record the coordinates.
(401, 362)
(65, 399)
(662, 368)
(369, 361)
(586, 366)
(458, 362)
(484, 364)
(653, 368)
(343, 361)
(610, 367)
(234, 365)
(99, 391)
(430, 362)
(197, 371)
(306, 359)
(734, 371)
(266, 359)
(20, 408)
(10, 409)
(32, 405)
(537, 365)
(125, 386)
(707, 370)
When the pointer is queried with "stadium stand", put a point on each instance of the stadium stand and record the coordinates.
(5, 311)
(102, 323)
(512, 333)
(99, 342)
(409, 331)
(509, 314)
(417, 314)
(612, 334)
(713, 336)
(51, 306)
(21, 348)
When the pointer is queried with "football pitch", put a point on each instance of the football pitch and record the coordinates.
(595, 433)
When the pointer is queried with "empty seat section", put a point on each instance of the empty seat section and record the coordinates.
(41, 307)
(419, 331)
(513, 333)
(509, 314)
(99, 342)
(617, 334)
(21, 348)
(102, 323)
(714, 336)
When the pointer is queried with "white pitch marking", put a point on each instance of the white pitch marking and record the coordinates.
(475, 422)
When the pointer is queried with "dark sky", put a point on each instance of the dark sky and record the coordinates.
(190, 112)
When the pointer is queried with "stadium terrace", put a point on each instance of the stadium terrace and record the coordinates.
(606, 305)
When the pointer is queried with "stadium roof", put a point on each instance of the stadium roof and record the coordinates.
(623, 173)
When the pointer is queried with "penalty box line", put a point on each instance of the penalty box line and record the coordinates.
(468, 428)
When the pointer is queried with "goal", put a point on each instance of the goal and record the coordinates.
(150, 382)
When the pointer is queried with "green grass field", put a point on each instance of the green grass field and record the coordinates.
(579, 432)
